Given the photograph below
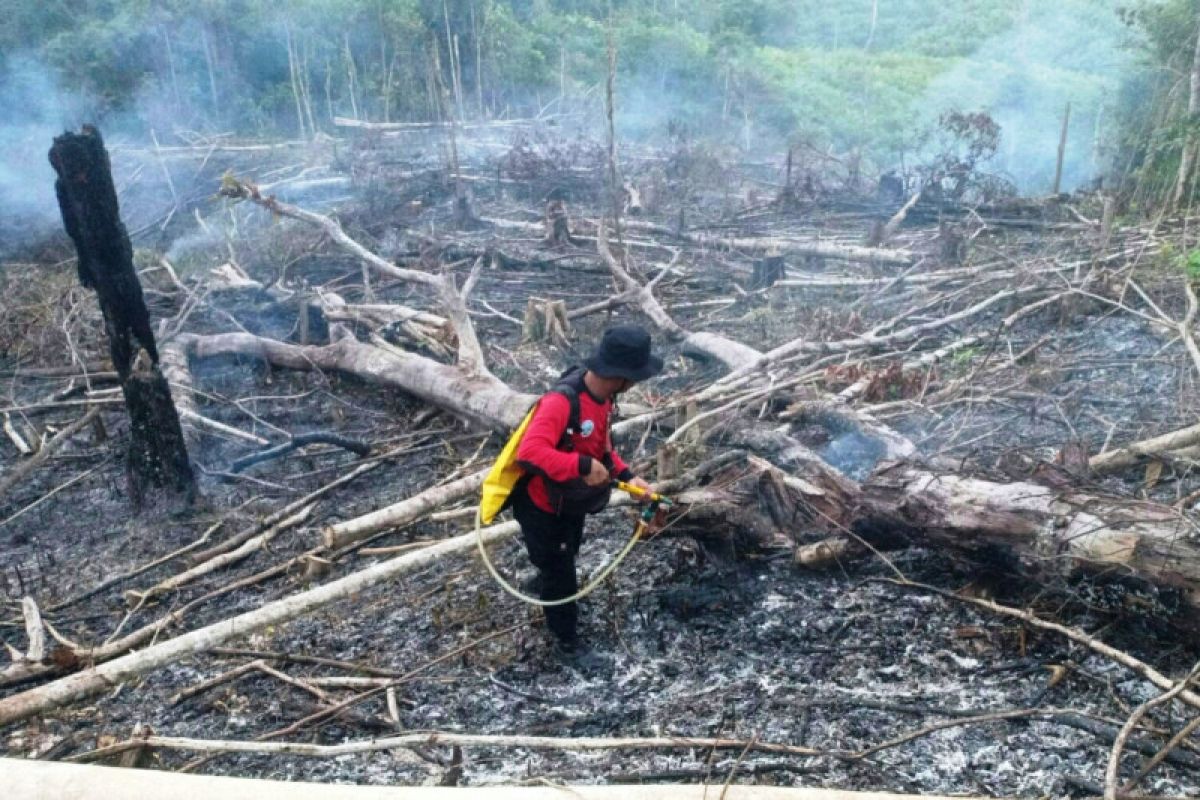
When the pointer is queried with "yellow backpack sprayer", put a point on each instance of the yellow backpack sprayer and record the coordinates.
(653, 503)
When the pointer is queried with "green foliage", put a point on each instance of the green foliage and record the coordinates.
(1189, 264)
(1152, 117)
(808, 68)
(963, 357)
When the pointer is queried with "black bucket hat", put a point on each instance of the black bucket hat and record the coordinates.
(624, 352)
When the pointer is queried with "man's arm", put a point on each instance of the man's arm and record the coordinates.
(620, 469)
(538, 450)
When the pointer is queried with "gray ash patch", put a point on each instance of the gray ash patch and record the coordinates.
(680, 646)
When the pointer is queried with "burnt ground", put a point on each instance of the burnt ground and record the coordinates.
(688, 639)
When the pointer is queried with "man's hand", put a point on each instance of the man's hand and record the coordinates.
(598, 476)
(645, 487)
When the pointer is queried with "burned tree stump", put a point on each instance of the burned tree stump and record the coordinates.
(767, 270)
(875, 232)
(751, 504)
(558, 221)
(952, 244)
(88, 201)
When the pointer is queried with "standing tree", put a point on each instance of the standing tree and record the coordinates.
(158, 457)
(1188, 157)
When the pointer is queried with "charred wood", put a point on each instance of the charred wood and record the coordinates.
(158, 456)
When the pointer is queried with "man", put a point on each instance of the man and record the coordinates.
(571, 470)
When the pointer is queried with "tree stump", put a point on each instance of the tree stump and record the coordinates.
(558, 221)
(546, 321)
(88, 201)
(767, 270)
(952, 245)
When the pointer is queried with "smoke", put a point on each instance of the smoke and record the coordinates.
(1056, 53)
(37, 111)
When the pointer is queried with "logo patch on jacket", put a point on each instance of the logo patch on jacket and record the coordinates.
(587, 427)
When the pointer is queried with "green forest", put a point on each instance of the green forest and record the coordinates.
(865, 76)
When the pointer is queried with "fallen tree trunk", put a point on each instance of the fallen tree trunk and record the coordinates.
(38, 780)
(402, 513)
(1041, 532)
(480, 398)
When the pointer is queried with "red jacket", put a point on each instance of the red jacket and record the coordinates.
(539, 451)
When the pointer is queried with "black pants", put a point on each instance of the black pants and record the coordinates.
(552, 541)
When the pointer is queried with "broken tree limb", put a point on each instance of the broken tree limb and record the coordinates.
(872, 341)
(731, 353)
(403, 512)
(893, 224)
(470, 353)
(175, 368)
(23, 468)
(38, 780)
(1133, 664)
(16, 438)
(570, 744)
(983, 273)
(33, 630)
(282, 513)
(217, 562)
(103, 676)
(1134, 453)
(1112, 772)
(708, 345)
(644, 297)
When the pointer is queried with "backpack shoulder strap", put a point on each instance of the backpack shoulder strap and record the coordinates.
(569, 385)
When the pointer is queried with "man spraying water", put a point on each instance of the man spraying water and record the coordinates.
(566, 464)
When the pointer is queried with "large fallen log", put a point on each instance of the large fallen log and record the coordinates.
(43, 780)
(479, 397)
(1040, 532)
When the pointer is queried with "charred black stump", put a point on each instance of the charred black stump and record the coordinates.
(767, 270)
(88, 201)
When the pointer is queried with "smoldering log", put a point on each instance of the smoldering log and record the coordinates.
(757, 506)
(91, 215)
(1036, 531)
